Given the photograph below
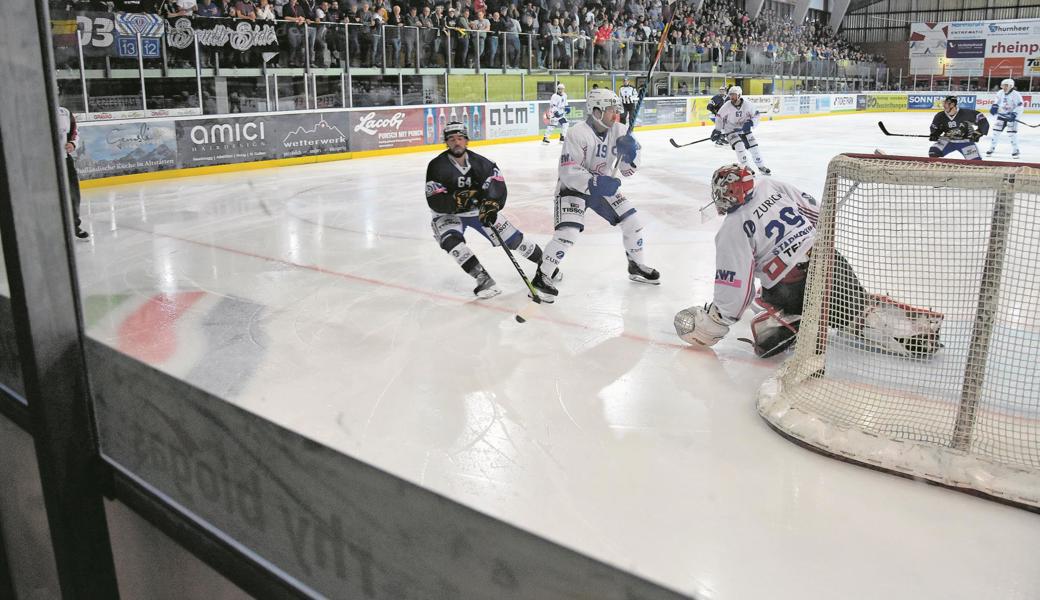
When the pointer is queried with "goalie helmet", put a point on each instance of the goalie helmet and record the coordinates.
(455, 127)
(1008, 82)
(730, 186)
(736, 90)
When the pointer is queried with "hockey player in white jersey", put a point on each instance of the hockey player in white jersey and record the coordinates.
(586, 182)
(768, 234)
(558, 111)
(733, 123)
(629, 96)
(1007, 108)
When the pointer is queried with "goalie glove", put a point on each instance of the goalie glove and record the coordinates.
(701, 326)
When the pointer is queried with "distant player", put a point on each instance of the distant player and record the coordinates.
(586, 183)
(733, 123)
(558, 111)
(714, 105)
(768, 234)
(956, 130)
(1008, 107)
(466, 190)
(629, 96)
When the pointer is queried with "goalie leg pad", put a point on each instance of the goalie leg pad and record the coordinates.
(900, 328)
(773, 330)
(701, 326)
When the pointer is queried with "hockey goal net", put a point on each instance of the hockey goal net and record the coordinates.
(953, 245)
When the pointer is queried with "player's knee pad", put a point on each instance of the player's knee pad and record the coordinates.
(451, 239)
(900, 328)
(521, 245)
(773, 330)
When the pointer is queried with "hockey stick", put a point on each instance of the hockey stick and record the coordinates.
(678, 145)
(534, 295)
(887, 132)
(1027, 124)
(670, 5)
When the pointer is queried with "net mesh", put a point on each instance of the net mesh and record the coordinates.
(938, 237)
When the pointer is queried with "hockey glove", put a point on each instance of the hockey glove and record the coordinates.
(567, 110)
(716, 135)
(1007, 117)
(628, 148)
(934, 135)
(975, 136)
(488, 212)
(993, 109)
(746, 128)
(603, 186)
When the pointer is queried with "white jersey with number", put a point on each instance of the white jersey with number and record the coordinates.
(558, 105)
(765, 238)
(1010, 102)
(586, 153)
(627, 94)
(732, 117)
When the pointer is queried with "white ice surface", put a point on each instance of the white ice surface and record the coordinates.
(592, 424)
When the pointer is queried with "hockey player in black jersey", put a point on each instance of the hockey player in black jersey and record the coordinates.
(714, 105)
(464, 190)
(956, 130)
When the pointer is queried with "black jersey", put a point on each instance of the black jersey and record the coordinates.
(943, 124)
(451, 189)
(716, 103)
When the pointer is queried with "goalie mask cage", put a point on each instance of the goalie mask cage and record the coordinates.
(960, 238)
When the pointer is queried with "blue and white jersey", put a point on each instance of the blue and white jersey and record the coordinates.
(1009, 103)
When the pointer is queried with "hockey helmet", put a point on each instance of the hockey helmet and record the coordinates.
(723, 88)
(736, 90)
(1009, 83)
(602, 99)
(730, 186)
(560, 88)
(455, 127)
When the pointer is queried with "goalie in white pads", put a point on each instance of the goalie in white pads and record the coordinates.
(586, 182)
(733, 123)
(466, 190)
(558, 111)
(1007, 108)
(768, 233)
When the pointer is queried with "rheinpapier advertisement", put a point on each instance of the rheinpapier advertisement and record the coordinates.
(998, 49)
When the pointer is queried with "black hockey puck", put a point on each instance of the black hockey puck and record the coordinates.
(520, 319)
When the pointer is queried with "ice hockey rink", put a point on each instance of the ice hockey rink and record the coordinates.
(317, 297)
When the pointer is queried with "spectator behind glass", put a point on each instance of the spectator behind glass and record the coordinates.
(244, 10)
(265, 12)
(183, 8)
(209, 9)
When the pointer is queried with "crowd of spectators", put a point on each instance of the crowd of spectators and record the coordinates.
(565, 34)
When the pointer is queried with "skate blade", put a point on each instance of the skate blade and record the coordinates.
(491, 292)
(641, 279)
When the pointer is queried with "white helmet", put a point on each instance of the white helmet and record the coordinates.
(736, 90)
(602, 99)
(560, 87)
(1008, 82)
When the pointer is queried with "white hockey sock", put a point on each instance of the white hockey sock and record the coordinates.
(557, 248)
(461, 253)
(993, 139)
(632, 237)
(549, 130)
(757, 156)
(564, 127)
(1014, 142)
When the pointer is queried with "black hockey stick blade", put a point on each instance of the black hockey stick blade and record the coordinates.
(678, 145)
(887, 132)
(1027, 124)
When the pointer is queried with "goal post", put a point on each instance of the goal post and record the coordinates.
(945, 385)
